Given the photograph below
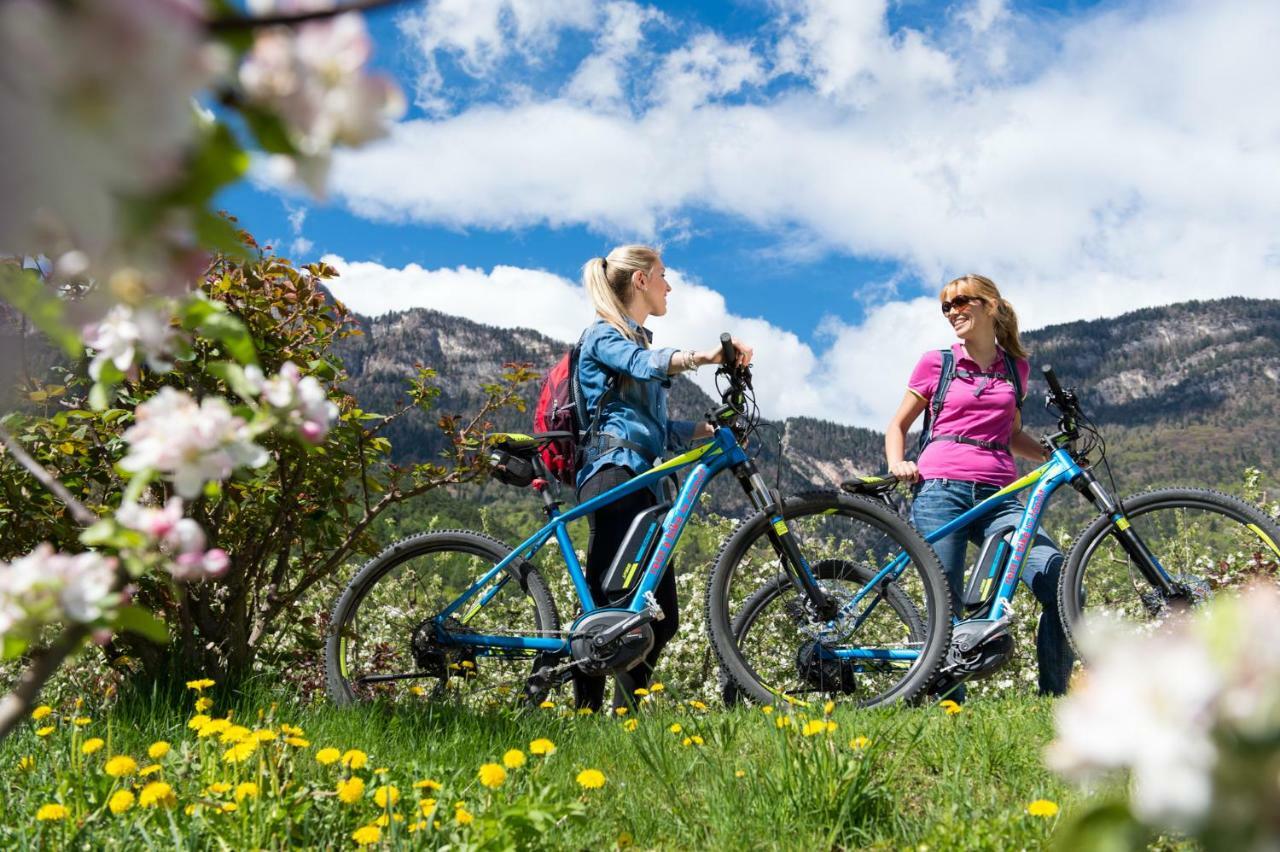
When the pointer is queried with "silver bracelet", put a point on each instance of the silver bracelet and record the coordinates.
(690, 361)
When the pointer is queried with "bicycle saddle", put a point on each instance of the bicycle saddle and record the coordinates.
(869, 486)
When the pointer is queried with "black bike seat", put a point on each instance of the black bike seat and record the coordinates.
(515, 442)
(869, 486)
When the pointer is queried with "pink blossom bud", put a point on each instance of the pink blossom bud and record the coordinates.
(102, 636)
(216, 562)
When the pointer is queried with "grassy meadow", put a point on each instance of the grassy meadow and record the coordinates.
(161, 771)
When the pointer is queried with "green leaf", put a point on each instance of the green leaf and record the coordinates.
(268, 129)
(13, 648)
(137, 620)
(231, 333)
(233, 374)
(23, 289)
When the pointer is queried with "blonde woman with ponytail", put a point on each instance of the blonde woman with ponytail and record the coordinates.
(969, 455)
(624, 385)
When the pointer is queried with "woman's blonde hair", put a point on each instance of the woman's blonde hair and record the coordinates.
(1006, 320)
(608, 282)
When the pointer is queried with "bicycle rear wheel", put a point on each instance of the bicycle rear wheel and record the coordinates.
(1206, 542)
(382, 641)
(885, 648)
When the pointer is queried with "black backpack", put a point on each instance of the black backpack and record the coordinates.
(945, 377)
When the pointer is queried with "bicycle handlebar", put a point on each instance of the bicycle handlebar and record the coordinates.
(728, 355)
(1059, 397)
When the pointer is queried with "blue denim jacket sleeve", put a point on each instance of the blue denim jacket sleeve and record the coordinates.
(607, 345)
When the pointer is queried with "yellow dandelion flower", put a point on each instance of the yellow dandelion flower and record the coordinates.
(381, 770)
(198, 721)
(246, 790)
(698, 705)
(200, 685)
(150, 770)
(814, 727)
(427, 806)
(49, 813)
(428, 784)
(383, 821)
(951, 707)
(158, 749)
(229, 807)
(26, 764)
(585, 711)
(351, 790)
(492, 775)
(217, 788)
(81, 721)
(240, 752)
(235, 734)
(415, 827)
(687, 741)
(782, 722)
(697, 740)
(120, 766)
(155, 794)
(45, 731)
(298, 742)
(590, 779)
(213, 727)
(120, 801)
(92, 745)
(514, 759)
(417, 690)
(620, 711)
(675, 728)
(355, 759)
(547, 705)
(1042, 808)
(325, 756)
(542, 746)
(41, 711)
(203, 704)
(740, 773)
(292, 730)
(640, 692)
(264, 735)
(386, 796)
(828, 708)
(366, 835)
(462, 816)
(766, 709)
(630, 725)
(656, 687)
(859, 742)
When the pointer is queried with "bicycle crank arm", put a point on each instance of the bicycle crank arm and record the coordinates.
(645, 616)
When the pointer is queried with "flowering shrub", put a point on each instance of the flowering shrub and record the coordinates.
(1190, 714)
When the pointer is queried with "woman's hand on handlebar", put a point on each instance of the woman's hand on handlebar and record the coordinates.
(906, 471)
(743, 354)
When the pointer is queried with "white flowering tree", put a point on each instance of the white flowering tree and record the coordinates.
(122, 119)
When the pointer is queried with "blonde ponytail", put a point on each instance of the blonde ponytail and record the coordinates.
(1006, 320)
(608, 283)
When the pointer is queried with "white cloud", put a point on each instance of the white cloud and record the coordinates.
(1128, 160)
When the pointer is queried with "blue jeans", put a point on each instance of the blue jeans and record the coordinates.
(937, 502)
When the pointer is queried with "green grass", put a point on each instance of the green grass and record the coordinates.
(926, 778)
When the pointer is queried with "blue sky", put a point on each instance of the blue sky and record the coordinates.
(814, 169)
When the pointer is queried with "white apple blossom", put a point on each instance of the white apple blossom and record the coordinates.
(45, 586)
(127, 333)
(191, 442)
(178, 538)
(311, 75)
(300, 400)
(96, 100)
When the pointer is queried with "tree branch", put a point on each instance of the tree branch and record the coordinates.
(15, 706)
(248, 22)
(78, 511)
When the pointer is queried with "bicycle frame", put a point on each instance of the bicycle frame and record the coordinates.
(709, 460)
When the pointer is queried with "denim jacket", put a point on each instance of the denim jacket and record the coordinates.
(637, 410)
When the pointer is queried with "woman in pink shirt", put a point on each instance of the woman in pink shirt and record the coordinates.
(975, 436)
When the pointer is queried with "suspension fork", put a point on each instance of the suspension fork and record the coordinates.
(768, 501)
(1148, 565)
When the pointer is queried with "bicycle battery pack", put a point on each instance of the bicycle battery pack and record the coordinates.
(640, 542)
(984, 577)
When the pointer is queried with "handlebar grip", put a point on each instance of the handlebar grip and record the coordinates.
(728, 355)
(1059, 396)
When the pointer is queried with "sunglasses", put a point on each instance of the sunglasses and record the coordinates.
(960, 301)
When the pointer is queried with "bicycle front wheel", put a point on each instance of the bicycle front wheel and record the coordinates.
(1204, 540)
(383, 640)
(895, 620)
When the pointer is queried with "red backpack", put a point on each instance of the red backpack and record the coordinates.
(560, 409)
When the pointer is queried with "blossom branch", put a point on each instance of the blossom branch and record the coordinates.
(15, 705)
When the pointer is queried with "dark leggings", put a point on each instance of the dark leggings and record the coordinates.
(608, 528)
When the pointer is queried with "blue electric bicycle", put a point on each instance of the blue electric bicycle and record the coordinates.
(1140, 560)
(457, 612)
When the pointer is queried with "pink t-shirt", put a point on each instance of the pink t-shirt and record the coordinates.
(981, 408)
